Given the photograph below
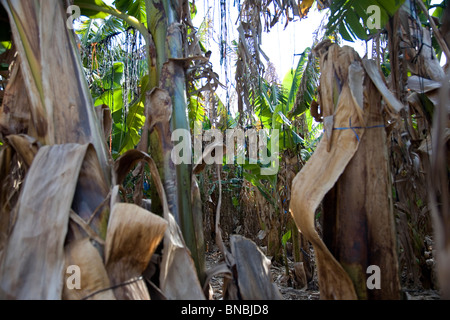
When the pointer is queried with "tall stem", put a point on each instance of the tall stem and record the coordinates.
(168, 40)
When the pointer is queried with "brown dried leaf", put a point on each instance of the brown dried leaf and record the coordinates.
(132, 237)
(33, 260)
(105, 119)
(159, 107)
(94, 279)
(61, 109)
(373, 72)
(326, 165)
(26, 146)
(178, 276)
(15, 111)
(253, 271)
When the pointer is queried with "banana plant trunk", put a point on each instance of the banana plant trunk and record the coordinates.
(357, 256)
(359, 226)
(60, 107)
(163, 17)
(70, 173)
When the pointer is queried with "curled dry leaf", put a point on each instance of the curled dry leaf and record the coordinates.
(132, 237)
(41, 227)
(26, 146)
(373, 72)
(89, 200)
(253, 271)
(321, 172)
(105, 119)
(352, 156)
(94, 281)
(178, 276)
(159, 107)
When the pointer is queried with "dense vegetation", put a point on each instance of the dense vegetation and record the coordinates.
(114, 89)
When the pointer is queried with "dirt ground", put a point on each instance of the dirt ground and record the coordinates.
(284, 283)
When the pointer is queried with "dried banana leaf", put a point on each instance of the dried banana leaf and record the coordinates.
(105, 119)
(220, 268)
(421, 61)
(15, 159)
(132, 237)
(94, 281)
(178, 276)
(323, 169)
(253, 271)
(421, 84)
(91, 195)
(33, 260)
(309, 187)
(60, 106)
(427, 86)
(15, 110)
(373, 72)
(353, 157)
(26, 146)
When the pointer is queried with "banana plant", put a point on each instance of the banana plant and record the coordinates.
(157, 22)
(275, 106)
(360, 19)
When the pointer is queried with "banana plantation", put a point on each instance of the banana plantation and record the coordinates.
(150, 150)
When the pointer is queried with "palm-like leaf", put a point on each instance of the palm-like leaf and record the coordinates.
(94, 31)
(135, 8)
(306, 90)
(346, 16)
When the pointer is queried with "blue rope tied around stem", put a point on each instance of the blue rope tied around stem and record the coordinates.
(353, 128)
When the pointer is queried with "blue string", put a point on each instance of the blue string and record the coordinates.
(353, 128)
